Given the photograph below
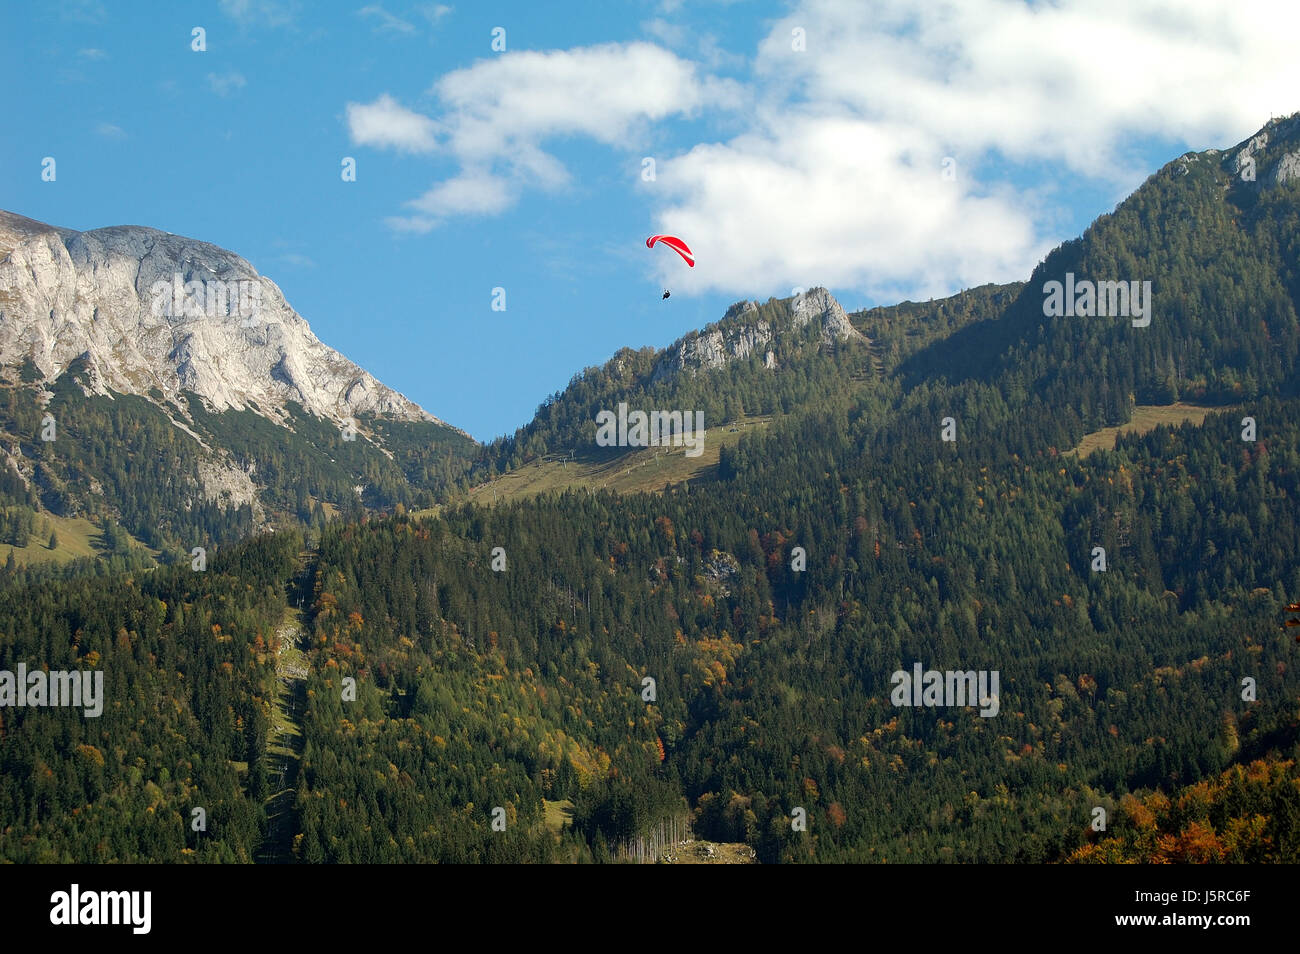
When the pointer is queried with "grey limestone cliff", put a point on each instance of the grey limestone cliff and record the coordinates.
(151, 310)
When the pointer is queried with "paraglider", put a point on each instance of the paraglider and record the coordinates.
(678, 246)
(674, 243)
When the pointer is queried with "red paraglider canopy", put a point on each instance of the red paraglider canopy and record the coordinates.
(676, 244)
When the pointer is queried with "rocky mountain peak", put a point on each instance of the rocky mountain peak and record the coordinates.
(817, 304)
(148, 310)
(1271, 157)
(744, 331)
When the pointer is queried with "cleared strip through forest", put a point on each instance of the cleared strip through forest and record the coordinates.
(284, 744)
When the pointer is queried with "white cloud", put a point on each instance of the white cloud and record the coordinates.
(1069, 82)
(83, 11)
(600, 92)
(385, 20)
(92, 53)
(702, 45)
(433, 12)
(835, 201)
(826, 166)
(497, 115)
(110, 131)
(669, 34)
(838, 179)
(471, 193)
(271, 13)
(226, 83)
(387, 123)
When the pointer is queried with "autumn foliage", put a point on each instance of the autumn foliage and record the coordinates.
(1247, 815)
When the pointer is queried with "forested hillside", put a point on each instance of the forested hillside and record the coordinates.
(773, 686)
(187, 675)
(1249, 814)
(727, 650)
(480, 688)
(813, 370)
(123, 460)
(1221, 254)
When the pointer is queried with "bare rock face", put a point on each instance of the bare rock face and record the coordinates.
(715, 348)
(741, 334)
(817, 304)
(223, 482)
(149, 309)
(1256, 144)
(1286, 170)
(1252, 160)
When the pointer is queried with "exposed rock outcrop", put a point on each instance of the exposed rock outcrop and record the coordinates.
(741, 333)
(148, 309)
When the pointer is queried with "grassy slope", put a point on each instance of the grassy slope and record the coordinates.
(1146, 417)
(642, 470)
(647, 470)
(78, 537)
(558, 815)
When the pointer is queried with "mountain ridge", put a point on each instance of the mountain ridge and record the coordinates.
(150, 309)
(767, 610)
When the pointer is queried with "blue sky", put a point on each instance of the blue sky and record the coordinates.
(795, 144)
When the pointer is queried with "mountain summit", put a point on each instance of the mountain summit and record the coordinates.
(742, 332)
(150, 310)
(158, 384)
